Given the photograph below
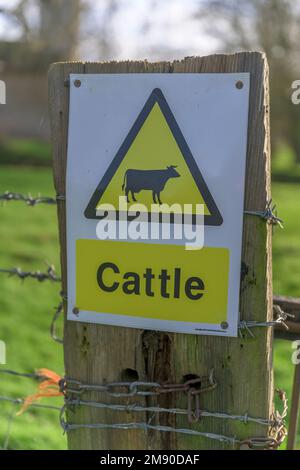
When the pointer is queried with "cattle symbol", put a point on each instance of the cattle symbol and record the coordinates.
(150, 180)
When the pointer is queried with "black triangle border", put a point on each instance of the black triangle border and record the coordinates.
(215, 218)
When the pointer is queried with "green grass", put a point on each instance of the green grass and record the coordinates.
(29, 238)
(286, 272)
(285, 166)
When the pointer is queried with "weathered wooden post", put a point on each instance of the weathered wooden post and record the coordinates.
(98, 354)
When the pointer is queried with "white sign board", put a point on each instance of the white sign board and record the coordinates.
(155, 197)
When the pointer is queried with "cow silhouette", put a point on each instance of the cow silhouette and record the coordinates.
(150, 180)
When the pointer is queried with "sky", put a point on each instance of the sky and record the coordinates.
(152, 29)
(170, 29)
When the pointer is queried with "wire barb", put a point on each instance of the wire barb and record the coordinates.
(29, 200)
(280, 318)
(49, 275)
(269, 214)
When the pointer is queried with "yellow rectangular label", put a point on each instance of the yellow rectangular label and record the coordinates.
(164, 282)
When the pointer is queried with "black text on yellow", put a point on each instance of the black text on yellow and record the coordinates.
(170, 283)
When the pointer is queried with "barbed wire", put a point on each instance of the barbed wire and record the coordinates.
(15, 402)
(280, 318)
(277, 424)
(29, 200)
(144, 389)
(269, 214)
(145, 427)
(49, 275)
(134, 407)
(192, 388)
(251, 443)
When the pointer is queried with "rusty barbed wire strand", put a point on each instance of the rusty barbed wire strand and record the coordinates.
(277, 424)
(40, 276)
(140, 388)
(29, 200)
(144, 389)
(205, 384)
(269, 214)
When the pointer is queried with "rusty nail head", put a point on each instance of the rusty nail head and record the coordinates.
(224, 325)
(77, 83)
(239, 84)
(75, 311)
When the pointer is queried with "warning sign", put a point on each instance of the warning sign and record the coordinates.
(155, 165)
(167, 144)
(152, 281)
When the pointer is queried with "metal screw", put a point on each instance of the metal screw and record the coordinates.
(77, 83)
(75, 311)
(224, 325)
(239, 84)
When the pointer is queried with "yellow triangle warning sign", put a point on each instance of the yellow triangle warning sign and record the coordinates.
(154, 165)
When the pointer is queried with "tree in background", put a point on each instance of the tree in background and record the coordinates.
(48, 31)
(54, 30)
(58, 30)
(274, 27)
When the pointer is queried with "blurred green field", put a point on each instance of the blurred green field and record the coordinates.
(29, 239)
(26, 151)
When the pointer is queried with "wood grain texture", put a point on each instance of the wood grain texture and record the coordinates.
(243, 367)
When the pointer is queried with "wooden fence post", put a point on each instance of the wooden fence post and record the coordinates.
(243, 366)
